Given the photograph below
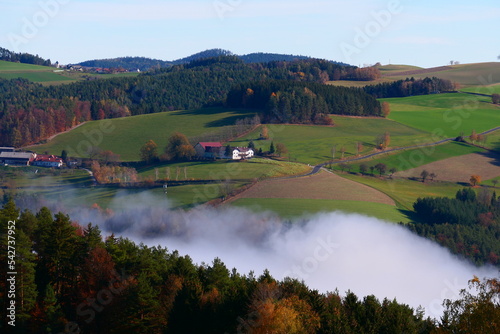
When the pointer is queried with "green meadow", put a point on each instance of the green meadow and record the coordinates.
(74, 188)
(35, 73)
(223, 170)
(125, 136)
(412, 158)
(487, 90)
(405, 192)
(313, 144)
(294, 208)
(446, 115)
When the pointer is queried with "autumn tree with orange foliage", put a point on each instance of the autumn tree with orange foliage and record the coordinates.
(476, 311)
(179, 148)
(475, 180)
(386, 108)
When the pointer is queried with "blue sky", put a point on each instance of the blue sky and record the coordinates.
(424, 33)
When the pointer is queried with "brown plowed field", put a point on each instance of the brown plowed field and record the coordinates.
(323, 185)
(460, 169)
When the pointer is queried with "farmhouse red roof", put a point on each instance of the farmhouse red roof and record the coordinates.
(47, 158)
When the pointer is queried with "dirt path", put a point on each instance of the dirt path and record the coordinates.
(57, 134)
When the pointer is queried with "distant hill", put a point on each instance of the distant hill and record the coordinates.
(128, 63)
(24, 58)
(212, 53)
(144, 64)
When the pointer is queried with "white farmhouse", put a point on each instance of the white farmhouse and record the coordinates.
(242, 153)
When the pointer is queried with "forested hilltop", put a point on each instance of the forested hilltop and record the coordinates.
(30, 112)
(71, 279)
(24, 58)
(144, 64)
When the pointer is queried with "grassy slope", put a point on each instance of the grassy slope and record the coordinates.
(469, 76)
(73, 188)
(42, 74)
(405, 192)
(128, 134)
(226, 169)
(488, 90)
(446, 114)
(478, 74)
(291, 208)
(417, 157)
(313, 144)
(387, 69)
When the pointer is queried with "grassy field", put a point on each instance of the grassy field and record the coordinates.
(50, 75)
(125, 136)
(74, 188)
(35, 73)
(313, 144)
(416, 157)
(405, 192)
(225, 170)
(460, 168)
(387, 69)
(293, 208)
(479, 74)
(487, 90)
(447, 115)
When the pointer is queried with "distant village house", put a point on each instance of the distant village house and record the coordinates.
(209, 150)
(213, 150)
(242, 153)
(44, 160)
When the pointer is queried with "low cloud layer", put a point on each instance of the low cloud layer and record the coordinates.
(328, 251)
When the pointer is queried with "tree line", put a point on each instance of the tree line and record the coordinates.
(411, 87)
(72, 279)
(468, 225)
(302, 102)
(25, 58)
(30, 112)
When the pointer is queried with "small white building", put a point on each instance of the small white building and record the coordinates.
(242, 153)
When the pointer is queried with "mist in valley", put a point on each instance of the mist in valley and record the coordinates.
(327, 251)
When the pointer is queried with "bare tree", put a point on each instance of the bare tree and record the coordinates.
(392, 171)
(424, 175)
(359, 147)
(93, 152)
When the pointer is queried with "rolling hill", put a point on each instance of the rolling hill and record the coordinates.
(144, 64)
(35, 73)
